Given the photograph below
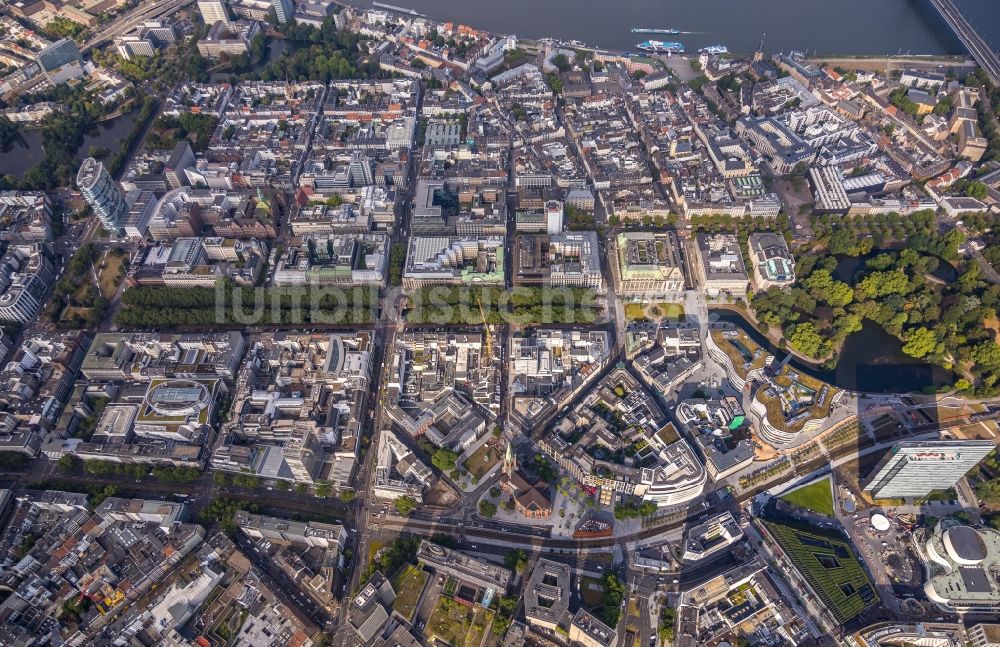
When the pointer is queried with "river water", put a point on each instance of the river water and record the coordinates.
(823, 26)
(826, 26)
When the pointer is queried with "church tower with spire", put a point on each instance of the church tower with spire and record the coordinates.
(509, 460)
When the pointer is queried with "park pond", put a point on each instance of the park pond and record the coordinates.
(871, 360)
(27, 151)
(274, 50)
(848, 266)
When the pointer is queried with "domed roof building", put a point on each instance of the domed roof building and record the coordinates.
(963, 567)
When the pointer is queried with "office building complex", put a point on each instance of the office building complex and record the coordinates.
(284, 531)
(284, 10)
(455, 261)
(588, 631)
(469, 570)
(61, 61)
(141, 357)
(370, 609)
(718, 428)
(297, 407)
(101, 193)
(546, 361)
(330, 259)
(828, 190)
(398, 472)
(915, 468)
(710, 537)
(146, 40)
(553, 217)
(779, 143)
(547, 594)
(25, 276)
(213, 11)
(426, 364)
(665, 470)
(58, 54)
(570, 259)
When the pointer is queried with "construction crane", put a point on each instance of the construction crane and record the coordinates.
(486, 330)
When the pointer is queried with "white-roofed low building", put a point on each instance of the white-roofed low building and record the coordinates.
(442, 260)
(962, 563)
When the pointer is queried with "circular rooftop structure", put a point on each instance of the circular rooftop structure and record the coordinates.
(178, 398)
(964, 545)
(434, 549)
(880, 522)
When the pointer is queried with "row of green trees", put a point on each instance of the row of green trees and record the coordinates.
(397, 259)
(614, 595)
(634, 509)
(147, 109)
(441, 304)
(170, 474)
(229, 305)
(248, 481)
(222, 509)
(246, 297)
(858, 235)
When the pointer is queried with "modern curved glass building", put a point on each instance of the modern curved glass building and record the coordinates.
(102, 194)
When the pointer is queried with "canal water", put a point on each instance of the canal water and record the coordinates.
(824, 27)
(26, 150)
(871, 360)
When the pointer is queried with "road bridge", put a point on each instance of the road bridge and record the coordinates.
(977, 46)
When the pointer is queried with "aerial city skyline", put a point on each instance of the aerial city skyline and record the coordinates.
(375, 325)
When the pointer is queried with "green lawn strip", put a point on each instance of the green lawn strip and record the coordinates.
(592, 592)
(409, 584)
(816, 496)
(481, 461)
